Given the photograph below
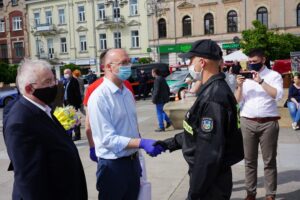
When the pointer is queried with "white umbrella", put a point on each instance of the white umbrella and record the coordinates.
(237, 55)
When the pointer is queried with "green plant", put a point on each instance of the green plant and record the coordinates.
(70, 66)
(145, 60)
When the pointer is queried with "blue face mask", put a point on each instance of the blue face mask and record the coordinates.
(255, 67)
(124, 72)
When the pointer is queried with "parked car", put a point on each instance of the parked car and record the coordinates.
(176, 82)
(6, 95)
(135, 69)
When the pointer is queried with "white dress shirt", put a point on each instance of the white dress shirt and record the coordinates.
(256, 102)
(113, 120)
(46, 108)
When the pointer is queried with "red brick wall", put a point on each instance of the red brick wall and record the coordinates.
(16, 13)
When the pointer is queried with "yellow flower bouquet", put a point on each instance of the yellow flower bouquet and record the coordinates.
(68, 117)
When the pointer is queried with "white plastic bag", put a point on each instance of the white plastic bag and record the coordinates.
(145, 188)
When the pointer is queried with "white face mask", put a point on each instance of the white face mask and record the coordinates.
(196, 75)
(67, 76)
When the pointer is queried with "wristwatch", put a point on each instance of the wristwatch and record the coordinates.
(260, 82)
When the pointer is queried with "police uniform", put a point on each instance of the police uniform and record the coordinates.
(211, 141)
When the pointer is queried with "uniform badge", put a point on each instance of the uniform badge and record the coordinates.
(207, 124)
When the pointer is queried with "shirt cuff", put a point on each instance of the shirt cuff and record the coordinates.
(123, 143)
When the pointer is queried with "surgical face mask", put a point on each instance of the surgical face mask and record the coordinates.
(255, 66)
(124, 72)
(196, 75)
(46, 94)
(67, 76)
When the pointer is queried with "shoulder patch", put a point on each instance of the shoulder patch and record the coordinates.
(207, 124)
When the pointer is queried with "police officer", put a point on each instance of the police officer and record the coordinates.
(211, 141)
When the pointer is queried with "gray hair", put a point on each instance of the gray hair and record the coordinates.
(27, 72)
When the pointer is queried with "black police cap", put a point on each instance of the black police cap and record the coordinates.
(204, 48)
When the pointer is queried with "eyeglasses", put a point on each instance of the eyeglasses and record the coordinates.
(48, 82)
(122, 63)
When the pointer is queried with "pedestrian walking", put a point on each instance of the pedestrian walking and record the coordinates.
(259, 121)
(143, 79)
(160, 96)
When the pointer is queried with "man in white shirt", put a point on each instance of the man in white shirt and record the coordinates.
(259, 122)
(113, 120)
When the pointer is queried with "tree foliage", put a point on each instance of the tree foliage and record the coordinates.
(8, 73)
(70, 66)
(276, 45)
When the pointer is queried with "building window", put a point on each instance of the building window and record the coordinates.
(3, 51)
(232, 22)
(48, 14)
(116, 9)
(162, 28)
(135, 41)
(262, 15)
(63, 45)
(117, 39)
(82, 40)
(18, 46)
(50, 48)
(209, 24)
(81, 14)
(14, 2)
(36, 17)
(1, 3)
(133, 7)
(2, 26)
(186, 26)
(61, 14)
(102, 39)
(298, 15)
(17, 23)
(101, 11)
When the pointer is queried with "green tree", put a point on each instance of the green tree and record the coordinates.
(3, 72)
(276, 46)
(145, 60)
(70, 66)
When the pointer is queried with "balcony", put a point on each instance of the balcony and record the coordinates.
(231, 1)
(45, 29)
(47, 56)
(112, 22)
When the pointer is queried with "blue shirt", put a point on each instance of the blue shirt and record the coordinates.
(113, 120)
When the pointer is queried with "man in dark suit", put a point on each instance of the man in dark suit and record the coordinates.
(72, 97)
(160, 96)
(45, 160)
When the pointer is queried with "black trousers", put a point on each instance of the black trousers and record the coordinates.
(220, 189)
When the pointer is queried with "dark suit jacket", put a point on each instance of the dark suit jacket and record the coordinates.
(161, 91)
(73, 93)
(46, 161)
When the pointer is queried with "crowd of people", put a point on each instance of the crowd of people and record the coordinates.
(231, 117)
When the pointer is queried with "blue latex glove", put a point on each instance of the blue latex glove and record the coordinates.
(147, 145)
(93, 155)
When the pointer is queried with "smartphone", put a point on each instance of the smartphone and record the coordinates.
(248, 75)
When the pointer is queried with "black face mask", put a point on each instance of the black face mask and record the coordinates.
(255, 67)
(46, 94)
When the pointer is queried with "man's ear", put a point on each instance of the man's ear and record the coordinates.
(264, 60)
(29, 89)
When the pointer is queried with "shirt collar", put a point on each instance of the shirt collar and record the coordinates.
(264, 71)
(112, 87)
(46, 108)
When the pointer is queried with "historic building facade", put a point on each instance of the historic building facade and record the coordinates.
(178, 23)
(77, 31)
(13, 31)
